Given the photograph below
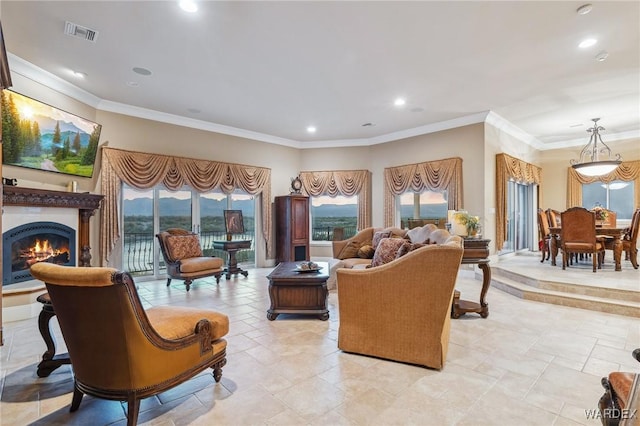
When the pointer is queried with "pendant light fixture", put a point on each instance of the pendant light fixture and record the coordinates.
(595, 160)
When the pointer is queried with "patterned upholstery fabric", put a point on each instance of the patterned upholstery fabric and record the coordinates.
(386, 251)
(377, 236)
(183, 246)
(407, 246)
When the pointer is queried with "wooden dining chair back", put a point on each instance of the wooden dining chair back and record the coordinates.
(611, 221)
(545, 235)
(578, 235)
(630, 240)
(554, 217)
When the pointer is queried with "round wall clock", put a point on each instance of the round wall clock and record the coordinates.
(296, 185)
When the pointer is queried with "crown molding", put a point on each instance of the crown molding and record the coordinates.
(32, 72)
(501, 123)
(164, 117)
(39, 75)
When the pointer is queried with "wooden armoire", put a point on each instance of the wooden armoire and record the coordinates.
(292, 228)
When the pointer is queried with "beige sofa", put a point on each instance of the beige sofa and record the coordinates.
(348, 254)
(401, 310)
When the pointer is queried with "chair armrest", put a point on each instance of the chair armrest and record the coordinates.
(364, 235)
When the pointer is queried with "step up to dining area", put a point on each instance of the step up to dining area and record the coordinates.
(611, 291)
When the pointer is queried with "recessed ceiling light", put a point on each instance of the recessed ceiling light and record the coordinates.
(188, 6)
(399, 102)
(141, 71)
(79, 74)
(311, 129)
(587, 43)
(602, 56)
(133, 84)
(584, 9)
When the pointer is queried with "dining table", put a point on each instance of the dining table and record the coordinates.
(615, 233)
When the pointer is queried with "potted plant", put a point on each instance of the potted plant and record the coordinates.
(472, 223)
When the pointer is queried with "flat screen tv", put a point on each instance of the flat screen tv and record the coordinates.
(38, 136)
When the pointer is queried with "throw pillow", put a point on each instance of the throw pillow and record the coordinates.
(419, 234)
(183, 246)
(350, 250)
(379, 236)
(407, 247)
(386, 251)
(366, 252)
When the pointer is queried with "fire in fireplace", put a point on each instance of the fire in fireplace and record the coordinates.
(32, 243)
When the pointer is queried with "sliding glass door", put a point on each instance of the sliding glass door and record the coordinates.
(147, 212)
(521, 207)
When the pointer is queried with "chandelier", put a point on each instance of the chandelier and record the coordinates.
(594, 160)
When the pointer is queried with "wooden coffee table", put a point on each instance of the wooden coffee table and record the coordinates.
(293, 292)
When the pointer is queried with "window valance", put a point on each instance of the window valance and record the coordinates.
(508, 167)
(627, 171)
(439, 175)
(144, 171)
(342, 182)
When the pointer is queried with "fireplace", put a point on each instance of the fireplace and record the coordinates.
(36, 242)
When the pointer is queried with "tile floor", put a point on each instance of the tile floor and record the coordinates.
(528, 363)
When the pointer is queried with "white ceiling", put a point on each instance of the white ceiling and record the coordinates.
(274, 68)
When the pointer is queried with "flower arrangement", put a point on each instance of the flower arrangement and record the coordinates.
(472, 223)
(601, 213)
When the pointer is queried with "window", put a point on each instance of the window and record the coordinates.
(147, 212)
(418, 209)
(337, 214)
(616, 195)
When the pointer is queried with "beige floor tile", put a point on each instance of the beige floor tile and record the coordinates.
(528, 363)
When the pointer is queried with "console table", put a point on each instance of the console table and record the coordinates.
(476, 252)
(232, 247)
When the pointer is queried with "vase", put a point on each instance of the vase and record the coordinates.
(472, 232)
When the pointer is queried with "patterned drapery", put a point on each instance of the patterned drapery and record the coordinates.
(144, 171)
(627, 171)
(342, 182)
(508, 167)
(436, 175)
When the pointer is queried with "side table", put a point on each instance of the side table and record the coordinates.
(50, 361)
(232, 247)
(476, 252)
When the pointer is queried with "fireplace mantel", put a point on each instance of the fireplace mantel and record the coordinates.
(86, 204)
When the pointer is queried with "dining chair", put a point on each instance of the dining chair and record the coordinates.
(578, 235)
(630, 240)
(554, 218)
(545, 235)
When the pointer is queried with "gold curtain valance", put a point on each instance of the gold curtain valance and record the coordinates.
(508, 167)
(627, 171)
(439, 175)
(342, 182)
(144, 171)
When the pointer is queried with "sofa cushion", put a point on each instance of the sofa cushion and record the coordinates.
(420, 234)
(183, 246)
(377, 236)
(200, 264)
(366, 252)
(350, 250)
(386, 251)
(407, 247)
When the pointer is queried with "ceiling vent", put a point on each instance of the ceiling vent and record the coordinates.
(79, 31)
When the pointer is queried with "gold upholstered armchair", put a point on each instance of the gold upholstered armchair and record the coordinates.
(400, 310)
(184, 259)
(118, 350)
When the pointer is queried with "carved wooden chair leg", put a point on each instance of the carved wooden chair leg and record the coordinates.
(133, 408)
(168, 281)
(188, 282)
(77, 399)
